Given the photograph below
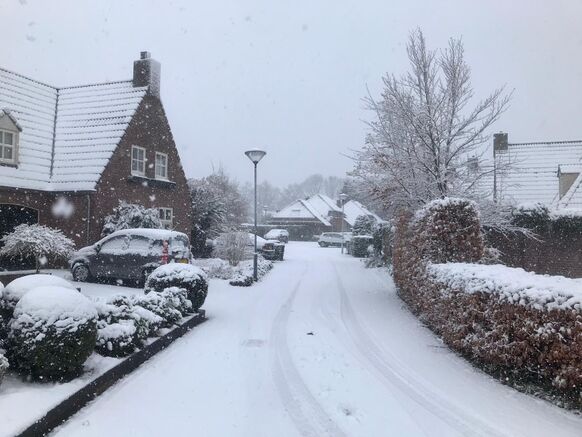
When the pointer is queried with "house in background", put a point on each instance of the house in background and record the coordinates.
(307, 217)
(68, 155)
(538, 172)
(353, 209)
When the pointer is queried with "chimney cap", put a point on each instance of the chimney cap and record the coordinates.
(145, 55)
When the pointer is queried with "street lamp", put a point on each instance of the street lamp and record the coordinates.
(343, 198)
(255, 156)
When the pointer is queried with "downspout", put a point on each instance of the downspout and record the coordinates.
(54, 137)
(88, 219)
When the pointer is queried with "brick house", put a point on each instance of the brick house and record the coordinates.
(87, 147)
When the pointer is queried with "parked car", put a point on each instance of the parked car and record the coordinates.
(332, 239)
(130, 254)
(281, 235)
(269, 249)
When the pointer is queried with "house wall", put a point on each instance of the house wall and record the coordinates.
(148, 129)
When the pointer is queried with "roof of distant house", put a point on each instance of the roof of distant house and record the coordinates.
(316, 207)
(68, 134)
(353, 209)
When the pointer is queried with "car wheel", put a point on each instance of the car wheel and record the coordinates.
(81, 273)
(322, 244)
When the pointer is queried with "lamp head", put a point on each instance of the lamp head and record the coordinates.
(255, 155)
(343, 196)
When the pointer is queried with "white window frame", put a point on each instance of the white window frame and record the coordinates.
(12, 146)
(167, 223)
(138, 172)
(165, 176)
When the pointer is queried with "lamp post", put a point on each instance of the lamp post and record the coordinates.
(255, 156)
(343, 198)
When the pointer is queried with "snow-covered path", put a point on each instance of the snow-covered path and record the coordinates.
(321, 347)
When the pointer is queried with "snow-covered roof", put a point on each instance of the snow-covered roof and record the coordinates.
(68, 134)
(533, 170)
(353, 209)
(316, 207)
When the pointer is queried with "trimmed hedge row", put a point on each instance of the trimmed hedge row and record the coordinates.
(522, 341)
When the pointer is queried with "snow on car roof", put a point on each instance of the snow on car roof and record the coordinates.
(158, 234)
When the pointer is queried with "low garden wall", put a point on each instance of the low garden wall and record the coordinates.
(519, 326)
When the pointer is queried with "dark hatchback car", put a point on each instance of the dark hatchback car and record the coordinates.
(130, 254)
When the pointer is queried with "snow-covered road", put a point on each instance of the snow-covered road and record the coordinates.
(321, 347)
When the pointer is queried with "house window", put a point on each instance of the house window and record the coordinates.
(138, 161)
(161, 166)
(167, 217)
(7, 147)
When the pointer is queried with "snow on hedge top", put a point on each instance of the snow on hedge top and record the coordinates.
(443, 203)
(61, 307)
(19, 287)
(513, 284)
(185, 272)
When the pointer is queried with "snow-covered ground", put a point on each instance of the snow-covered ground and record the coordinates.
(320, 347)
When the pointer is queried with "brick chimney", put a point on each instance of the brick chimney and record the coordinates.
(146, 72)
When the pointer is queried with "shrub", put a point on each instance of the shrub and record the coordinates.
(3, 367)
(131, 216)
(364, 225)
(243, 276)
(159, 305)
(117, 339)
(178, 299)
(185, 276)
(38, 241)
(53, 332)
(215, 268)
(360, 245)
(232, 247)
(14, 291)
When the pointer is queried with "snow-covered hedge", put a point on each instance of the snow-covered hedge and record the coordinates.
(16, 289)
(52, 333)
(3, 367)
(185, 276)
(117, 339)
(361, 246)
(243, 276)
(524, 327)
(160, 305)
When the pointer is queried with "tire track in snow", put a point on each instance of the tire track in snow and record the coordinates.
(397, 376)
(307, 414)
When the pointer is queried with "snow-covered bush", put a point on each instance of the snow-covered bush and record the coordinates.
(215, 268)
(131, 216)
(14, 291)
(3, 367)
(232, 247)
(361, 245)
(159, 305)
(364, 225)
(186, 276)
(52, 333)
(243, 276)
(38, 241)
(117, 339)
(178, 298)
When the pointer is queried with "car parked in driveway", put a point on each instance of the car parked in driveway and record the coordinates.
(270, 249)
(281, 235)
(129, 254)
(332, 239)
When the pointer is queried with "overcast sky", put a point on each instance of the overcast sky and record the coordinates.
(288, 76)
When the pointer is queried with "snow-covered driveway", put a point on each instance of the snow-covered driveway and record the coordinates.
(321, 347)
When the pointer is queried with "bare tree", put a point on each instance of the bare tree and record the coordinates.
(232, 247)
(426, 130)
